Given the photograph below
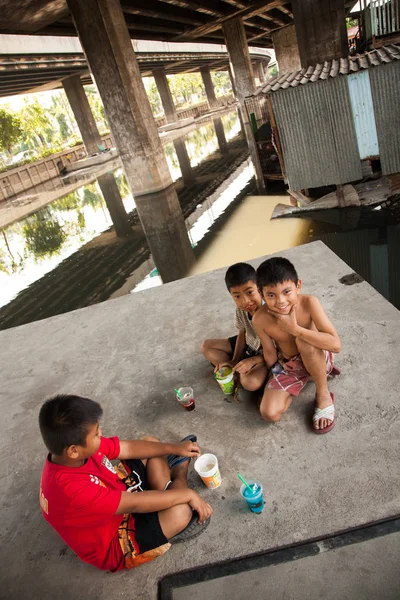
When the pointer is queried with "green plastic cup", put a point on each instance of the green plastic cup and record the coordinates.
(225, 378)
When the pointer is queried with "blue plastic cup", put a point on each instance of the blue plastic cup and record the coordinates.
(254, 499)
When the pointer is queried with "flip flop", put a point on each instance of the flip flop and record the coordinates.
(325, 413)
(335, 371)
(174, 459)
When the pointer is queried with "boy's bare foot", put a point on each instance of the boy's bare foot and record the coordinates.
(323, 401)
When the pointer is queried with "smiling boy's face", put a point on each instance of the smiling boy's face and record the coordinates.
(246, 296)
(281, 297)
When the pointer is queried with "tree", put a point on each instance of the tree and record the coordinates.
(153, 96)
(97, 108)
(36, 124)
(10, 130)
(65, 131)
(222, 83)
(43, 234)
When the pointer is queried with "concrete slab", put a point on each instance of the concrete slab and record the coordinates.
(129, 353)
(367, 570)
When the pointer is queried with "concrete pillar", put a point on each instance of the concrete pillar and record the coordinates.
(84, 117)
(239, 58)
(184, 161)
(286, 49)
(115, 206)
(320, 30)
(209, 87)
(259, 74)
(91, 138)
(161, 80)
(108, 48)
(220, 133)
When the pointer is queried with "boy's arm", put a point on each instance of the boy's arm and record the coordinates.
(269, 350)
(154, 501)
(144, 449)
(326, 338)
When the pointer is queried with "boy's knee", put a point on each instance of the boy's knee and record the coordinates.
(205, 346)
(180, 516)
(251, 385)
(150, 438)
(269, 414)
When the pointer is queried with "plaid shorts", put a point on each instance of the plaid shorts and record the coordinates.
(291, 375)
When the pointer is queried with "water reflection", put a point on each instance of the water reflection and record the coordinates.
(36, 244)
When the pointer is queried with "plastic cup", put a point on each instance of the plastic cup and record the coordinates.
(255, 500)
(225, 378)
(207, 467)
(187, 398)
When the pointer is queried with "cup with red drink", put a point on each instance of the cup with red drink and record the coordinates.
(185, 397)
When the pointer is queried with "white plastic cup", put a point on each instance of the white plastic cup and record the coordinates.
(207, 468)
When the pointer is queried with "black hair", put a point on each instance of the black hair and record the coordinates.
(238, 274)
(65, 421)
(276, 270)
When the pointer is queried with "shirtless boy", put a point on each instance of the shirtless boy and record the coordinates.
(298, 341)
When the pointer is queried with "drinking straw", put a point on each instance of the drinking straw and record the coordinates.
(245, 482)
(177, 392)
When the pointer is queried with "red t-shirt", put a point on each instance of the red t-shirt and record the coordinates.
(80, 504)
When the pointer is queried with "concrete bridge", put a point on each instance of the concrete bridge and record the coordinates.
(31, 64)
(306, 31)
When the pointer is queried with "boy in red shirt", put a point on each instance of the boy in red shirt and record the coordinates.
(115, 517)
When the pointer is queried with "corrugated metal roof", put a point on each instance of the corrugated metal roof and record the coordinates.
(332, 68)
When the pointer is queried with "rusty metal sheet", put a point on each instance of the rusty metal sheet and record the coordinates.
(318, 138)
(385, 88)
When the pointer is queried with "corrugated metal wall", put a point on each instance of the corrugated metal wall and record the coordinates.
(317, 133)
(385, 88)
(363, 113)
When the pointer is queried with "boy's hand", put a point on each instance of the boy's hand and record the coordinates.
(201, 506)
(245, 365)
(190, 449)
(287, 323)
(228, 363)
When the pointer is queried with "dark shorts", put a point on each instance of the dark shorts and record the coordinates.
(247, 351)
(140, 534)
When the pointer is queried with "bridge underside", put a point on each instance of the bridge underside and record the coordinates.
(22, 73)
(165, 20)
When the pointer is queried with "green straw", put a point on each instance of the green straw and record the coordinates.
(245, 482)
(177, 392)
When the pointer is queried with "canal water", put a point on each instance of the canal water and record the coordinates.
(231, 226)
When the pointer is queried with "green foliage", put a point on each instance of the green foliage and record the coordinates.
(65, 131)
(273, 71)
(44, 236)
(122, 184)
(187, 89)
(153, 96)
(222, 83)
(351, 22)
(97, 108)
(10, 130)
(36, 123)
(92, 196)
